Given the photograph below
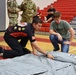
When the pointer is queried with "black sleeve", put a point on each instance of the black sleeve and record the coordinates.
(32, 37)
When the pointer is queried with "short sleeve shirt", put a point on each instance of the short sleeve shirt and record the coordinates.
(61, 28)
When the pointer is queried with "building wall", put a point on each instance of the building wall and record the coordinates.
(2, 15)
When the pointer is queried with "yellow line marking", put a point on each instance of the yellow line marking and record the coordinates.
(72, 50)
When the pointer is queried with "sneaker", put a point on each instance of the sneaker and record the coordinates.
(56, 49)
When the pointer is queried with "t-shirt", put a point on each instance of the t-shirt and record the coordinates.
(21, 31)
(61, 28)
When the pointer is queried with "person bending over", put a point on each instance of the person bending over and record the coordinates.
(61, 32)
(17, 37)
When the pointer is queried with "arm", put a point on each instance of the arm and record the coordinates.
(55, 33)
(33, 50)
(35, 10)
(8, 5)
(72, 33)
(12, 7)
(51, 12)
(21, 7)
(34, 44)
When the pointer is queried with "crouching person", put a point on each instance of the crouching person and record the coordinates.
(17, 37)
(61, 33)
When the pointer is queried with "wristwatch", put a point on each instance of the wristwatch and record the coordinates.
(47, 54)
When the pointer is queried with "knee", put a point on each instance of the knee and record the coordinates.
(51, 37)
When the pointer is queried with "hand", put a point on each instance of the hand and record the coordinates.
(9, 9)
(34, 52)
(50, 56)
(67, 42)
(59, 37)
(18, 10)
(23, 2)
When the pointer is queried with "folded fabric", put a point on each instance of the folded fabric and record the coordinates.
(64, 57)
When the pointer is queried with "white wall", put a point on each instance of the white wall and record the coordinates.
(40, 3)
(43, 3)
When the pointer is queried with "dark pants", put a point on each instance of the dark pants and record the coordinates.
(54, 40)
(16, 45)
(50, 17)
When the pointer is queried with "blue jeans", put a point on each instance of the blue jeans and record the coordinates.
(54, 40)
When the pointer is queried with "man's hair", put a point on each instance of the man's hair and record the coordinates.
(36, 20)
(57, 14)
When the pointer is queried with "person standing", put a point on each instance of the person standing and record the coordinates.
(28, 8)
(12, 9)
(61, 33)
(17, 37)
(38, 12)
